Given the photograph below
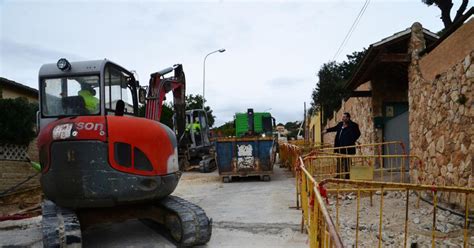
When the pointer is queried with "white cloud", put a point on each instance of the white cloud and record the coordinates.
(273, 49)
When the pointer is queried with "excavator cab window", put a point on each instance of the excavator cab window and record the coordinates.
(119, 86)
(204, 128)
(69, 96)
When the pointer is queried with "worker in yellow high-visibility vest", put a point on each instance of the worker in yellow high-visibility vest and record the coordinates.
(90, 101)
(195, 127)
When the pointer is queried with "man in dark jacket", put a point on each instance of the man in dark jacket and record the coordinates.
(347, 133)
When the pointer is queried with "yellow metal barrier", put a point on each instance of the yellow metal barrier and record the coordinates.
(323, 163)
(289, 155)
(297, 142)
(376, 168)
(433, 237)
(316, 219)
(289, 152)
(387, 168)
(383, 148)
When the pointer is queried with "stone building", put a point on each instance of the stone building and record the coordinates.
(417, 87)
(379, 86)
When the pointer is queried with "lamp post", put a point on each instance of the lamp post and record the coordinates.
(204, 75)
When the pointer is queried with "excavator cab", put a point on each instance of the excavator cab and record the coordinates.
(199, 137)
(89, 88)
(195, 149)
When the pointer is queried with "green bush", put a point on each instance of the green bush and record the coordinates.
(17, 121)
(166, 114)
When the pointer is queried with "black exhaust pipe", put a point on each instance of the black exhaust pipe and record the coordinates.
(250, 121)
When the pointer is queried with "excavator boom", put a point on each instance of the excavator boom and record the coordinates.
(159, 86)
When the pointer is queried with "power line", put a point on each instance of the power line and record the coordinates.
(351, 29)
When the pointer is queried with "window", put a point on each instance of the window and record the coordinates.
(203, 122)
(70, 96)
(117, 88)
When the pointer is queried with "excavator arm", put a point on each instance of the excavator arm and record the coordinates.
(159, 86)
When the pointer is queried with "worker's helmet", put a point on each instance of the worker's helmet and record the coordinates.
(88, 87)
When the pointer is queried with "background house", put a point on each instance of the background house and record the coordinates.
(379, 91)
(418, 88)
(314, 128)
(12, 89)
(13, 172)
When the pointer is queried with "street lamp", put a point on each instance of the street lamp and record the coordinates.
(204, 75)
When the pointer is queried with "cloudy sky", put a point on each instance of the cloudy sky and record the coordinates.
(274, 48)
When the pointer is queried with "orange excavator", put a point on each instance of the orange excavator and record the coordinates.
(100, 162)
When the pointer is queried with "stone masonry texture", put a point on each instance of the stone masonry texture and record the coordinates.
(442, 112)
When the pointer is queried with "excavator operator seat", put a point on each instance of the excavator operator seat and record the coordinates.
(74, 105)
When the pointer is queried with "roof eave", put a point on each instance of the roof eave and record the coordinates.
(17, 85)
(356, 75)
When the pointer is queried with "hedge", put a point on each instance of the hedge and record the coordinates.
(17, 121)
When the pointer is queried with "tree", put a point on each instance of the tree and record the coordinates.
(329, 90)
(293, 129)
(17, 122)
(192, 102)
(445, 6)
(228, 129)
(195, 102)
(166, 114)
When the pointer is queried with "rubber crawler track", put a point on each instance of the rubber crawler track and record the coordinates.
(60, 226)
(196, 226)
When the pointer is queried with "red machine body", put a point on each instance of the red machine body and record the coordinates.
(153, 140)
(109, 157)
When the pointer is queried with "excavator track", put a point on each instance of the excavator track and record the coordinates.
(188, 223)
(60, 226)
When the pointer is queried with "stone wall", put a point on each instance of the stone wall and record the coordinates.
(442, 113)
(14, 172)
(360, 109)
